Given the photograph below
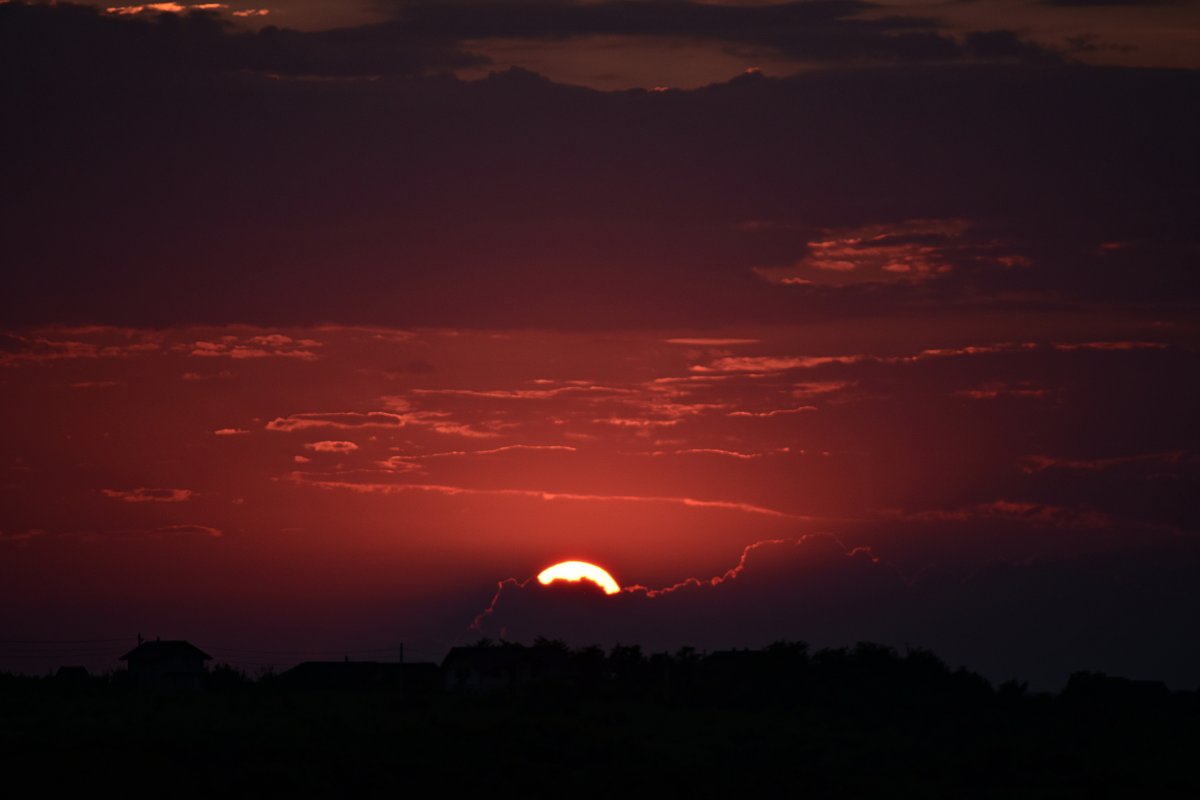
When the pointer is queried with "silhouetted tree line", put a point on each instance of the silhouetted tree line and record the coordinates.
(858, 721)
(784, 674)
(866, 676)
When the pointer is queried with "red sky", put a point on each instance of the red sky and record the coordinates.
(345, 487)
(316, 337)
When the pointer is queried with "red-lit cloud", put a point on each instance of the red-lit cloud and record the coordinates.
(330, 446)
(347, 420)
(549, 496)
(144, 495)
(266, 346)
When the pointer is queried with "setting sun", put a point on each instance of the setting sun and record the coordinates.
(575, 571)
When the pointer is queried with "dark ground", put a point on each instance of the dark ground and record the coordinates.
(863, 722)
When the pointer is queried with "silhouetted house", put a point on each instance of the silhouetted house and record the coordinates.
(411, 679)
(167, 665)
(486, 668)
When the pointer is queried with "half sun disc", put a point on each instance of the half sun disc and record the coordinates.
(575, 571)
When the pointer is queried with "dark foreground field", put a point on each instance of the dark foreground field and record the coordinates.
(846, 724)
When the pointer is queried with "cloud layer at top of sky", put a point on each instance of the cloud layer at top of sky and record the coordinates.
(169, 175)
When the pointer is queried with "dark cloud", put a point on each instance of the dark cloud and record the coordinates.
(67, 41)
(63, 40)
(144, 495)
(816, 30)
(514, 199)
(1035, 621)
(1104, 3)
(159, 196)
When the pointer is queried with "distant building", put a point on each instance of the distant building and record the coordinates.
(167, 665)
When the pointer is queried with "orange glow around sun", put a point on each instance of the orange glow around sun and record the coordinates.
(576, 571)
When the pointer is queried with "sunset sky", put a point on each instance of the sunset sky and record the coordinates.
(328, 326)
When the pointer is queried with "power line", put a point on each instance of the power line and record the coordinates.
(337, 651)
(124, 638)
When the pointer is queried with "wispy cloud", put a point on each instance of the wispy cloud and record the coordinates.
(21, 537)
(511, 448)
(904, 252)
(190, 530)
(1111, 346)
(1039, 463)
(716, 451)
(702, 342)
(996, 389)
(1044, 515)
(775, 412)
(53, 345)
(775, 363)
(273, 345)
(343, 420)
(330, 446)
(398, 488)
(569, 387)
(808, 389)
(145, 495)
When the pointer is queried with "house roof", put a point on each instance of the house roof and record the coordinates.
(160, 649)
